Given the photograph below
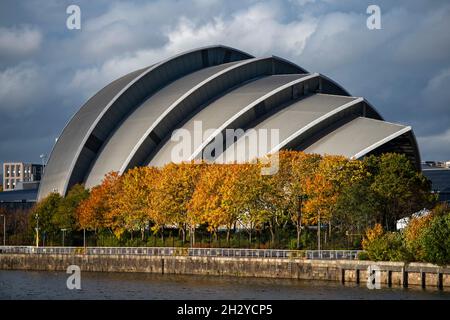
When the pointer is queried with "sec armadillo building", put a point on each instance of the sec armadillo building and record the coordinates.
(129, 122)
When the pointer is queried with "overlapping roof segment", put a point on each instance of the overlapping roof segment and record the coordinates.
(130, 122)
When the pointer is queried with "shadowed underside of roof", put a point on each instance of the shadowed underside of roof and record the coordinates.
(130, 122)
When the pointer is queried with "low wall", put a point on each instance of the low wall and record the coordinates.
(392, 273)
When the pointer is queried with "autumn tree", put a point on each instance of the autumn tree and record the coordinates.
(133, 201)
(414, 234)
(205, 204)
(96, 212)
(275, 196)
(247, 195)
(239, 193)
(322, 188)
(175, 189)
(295, 170)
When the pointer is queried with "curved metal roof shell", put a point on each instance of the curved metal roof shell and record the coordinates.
(129, 122)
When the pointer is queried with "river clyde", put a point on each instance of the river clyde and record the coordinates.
(36, 285)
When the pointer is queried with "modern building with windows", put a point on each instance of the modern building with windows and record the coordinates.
(130, 122)
(20, 175)
(439, 175)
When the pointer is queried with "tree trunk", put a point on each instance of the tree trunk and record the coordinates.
(183, 235)
(329, 232)
(272, 234)
(299, 231)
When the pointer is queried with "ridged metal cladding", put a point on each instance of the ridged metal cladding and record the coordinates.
(129, 122)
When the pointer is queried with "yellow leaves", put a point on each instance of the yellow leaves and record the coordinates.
(132, 204)
(189, 194)
(321, 198)
(204, 206)
(175, 188)
(224, 193)
(416, 226)
(372, 234)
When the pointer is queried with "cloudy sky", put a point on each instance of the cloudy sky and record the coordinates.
(48, 71)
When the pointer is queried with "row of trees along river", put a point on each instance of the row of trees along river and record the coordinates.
(234, 205)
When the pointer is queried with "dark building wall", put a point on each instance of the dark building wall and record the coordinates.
(440, 180)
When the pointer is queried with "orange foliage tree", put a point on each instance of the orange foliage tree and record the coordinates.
(96, 211)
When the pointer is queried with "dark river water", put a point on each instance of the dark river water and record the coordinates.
(52, 285)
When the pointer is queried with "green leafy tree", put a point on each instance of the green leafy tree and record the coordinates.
(43, 213)
(65, 216)
(400, 189)
(356, 207)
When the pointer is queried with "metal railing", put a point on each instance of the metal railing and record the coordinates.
(193, 252)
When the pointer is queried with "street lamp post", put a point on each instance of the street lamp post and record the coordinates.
(63, 231)
(43, 157)
(318, 235)
(37, 230)
(299, 217)
(4, 229)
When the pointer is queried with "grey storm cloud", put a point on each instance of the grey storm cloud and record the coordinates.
(48, 71)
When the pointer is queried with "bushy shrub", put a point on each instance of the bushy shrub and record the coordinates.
(384, 246)
(425, 239)
(413, 237)
(363, 255)
(388, 247)
(436, 240)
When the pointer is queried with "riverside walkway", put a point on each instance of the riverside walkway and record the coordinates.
(193, 252)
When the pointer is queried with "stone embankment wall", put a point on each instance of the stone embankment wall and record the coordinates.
(392, 273)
